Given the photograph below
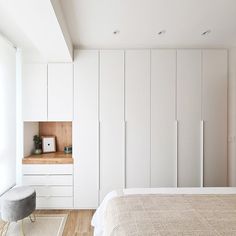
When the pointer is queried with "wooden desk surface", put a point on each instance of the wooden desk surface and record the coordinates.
(49, 158)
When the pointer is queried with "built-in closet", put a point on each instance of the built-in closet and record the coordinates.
(148, 118)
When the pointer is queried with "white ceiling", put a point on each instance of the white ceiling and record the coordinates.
(91, 23)
(11, 30)
(37, 25)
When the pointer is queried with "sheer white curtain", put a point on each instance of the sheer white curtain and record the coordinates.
(7, 115)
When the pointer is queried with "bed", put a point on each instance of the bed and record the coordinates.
(167, 211)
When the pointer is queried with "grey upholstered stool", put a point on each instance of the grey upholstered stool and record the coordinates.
(18, 203)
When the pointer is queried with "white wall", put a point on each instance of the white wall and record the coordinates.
(7, 115)
(232, 119)
(19, 124)
(30, 129)
(39, 22)
(32, 56)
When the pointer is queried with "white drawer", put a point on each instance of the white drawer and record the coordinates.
(47, 180)
(54, 202)
(37, 169)
(53, 191)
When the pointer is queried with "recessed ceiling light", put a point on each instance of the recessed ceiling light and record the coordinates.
(206, 32)
(161, 32)
(116, 32)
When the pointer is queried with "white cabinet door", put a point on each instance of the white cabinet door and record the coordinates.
(60, 92)
(85, 129)
(111, 121)
(34, 92)
(215, 79)
(163, 108)
(189, 117)
(137, 113)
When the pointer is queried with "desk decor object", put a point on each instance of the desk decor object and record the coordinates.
(37, 145)
(49, 144)
(68, 149)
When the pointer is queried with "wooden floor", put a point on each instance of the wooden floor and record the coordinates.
(78, 222)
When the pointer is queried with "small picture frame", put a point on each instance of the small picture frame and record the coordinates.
(49, 144)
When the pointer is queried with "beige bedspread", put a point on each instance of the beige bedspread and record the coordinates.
(163, 215)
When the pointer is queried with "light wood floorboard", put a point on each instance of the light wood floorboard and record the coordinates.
(78, 222)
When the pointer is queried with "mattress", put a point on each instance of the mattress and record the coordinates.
(188, 211)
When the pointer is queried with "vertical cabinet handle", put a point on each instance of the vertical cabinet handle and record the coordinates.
(176, 152)
(99, 154)
(202, 154)
(124, 167)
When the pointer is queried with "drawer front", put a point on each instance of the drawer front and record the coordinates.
(47, 180)
(53, 191)
(54, 203)
(44, 169)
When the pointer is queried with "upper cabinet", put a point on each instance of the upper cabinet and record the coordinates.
(47, 92)
(60, 92)
(34, 92)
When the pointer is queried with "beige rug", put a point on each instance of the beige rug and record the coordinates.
(45, 225)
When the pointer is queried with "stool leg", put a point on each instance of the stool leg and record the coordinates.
(22, 228)
(32, 219)
(5, 229)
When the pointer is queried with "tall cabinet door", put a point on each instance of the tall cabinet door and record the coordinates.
(163, 112)
(214, 73)
(189, 117)
(34, 92)
(137, 113)
(85, 129)
(111, 121)
(60, 92)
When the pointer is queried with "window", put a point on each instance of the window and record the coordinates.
(7, 115)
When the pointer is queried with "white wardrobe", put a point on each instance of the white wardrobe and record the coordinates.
(111, 119)
(86, 130)
(137, 115)
(189, 103)
(163, 119)
(148, 118)
(214, 114)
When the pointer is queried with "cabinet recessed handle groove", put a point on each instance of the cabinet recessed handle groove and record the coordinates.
(99, 153)
(125, 133)
(202, 154)
(176, 151)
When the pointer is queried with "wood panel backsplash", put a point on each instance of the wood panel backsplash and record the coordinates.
(62, 131)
